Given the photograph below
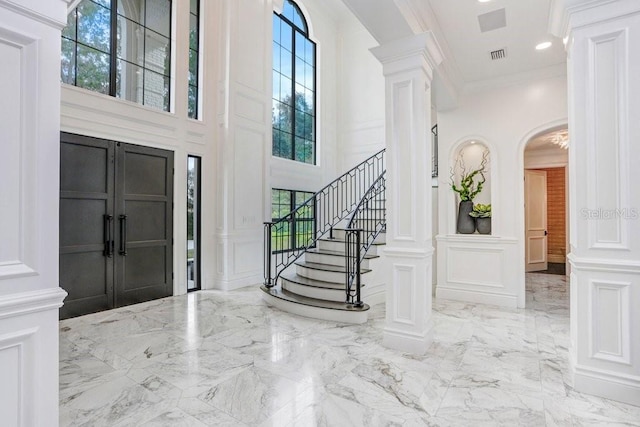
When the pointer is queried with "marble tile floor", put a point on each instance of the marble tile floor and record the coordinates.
(217, 358)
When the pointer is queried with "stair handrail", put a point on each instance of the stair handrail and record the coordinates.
(330, 205)
(365, 225)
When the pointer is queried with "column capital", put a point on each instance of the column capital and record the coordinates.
(408, 53)
(566, 15)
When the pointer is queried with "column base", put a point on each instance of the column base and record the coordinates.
(606, 384)
(408, 342)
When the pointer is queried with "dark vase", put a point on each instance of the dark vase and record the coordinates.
(466, 223)
(483, 225)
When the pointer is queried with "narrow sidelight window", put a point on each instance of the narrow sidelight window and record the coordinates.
(193, 223)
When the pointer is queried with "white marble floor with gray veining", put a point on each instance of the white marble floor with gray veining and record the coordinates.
(225, 358)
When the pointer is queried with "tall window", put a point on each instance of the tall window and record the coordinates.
(194, 48)
(300, 230)
(294, 82)
(120, 48)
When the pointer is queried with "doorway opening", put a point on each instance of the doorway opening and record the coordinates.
(193, 223)
(546, 202)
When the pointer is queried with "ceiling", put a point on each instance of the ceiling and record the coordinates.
(455, 24)
(549, 140)
(526, 26)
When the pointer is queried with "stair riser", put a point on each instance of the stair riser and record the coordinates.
(317, 312)
(330, 259)
(339, 234)
(325, 276)
(337, 246)
(337, 295)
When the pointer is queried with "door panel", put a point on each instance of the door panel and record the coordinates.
(86, 196)
(116, 224)
(145, 196)
(535, 220)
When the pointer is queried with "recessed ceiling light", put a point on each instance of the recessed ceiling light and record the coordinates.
(473, 142)
(543, 46)
(483, 1)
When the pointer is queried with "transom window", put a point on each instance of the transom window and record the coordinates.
(120, 48)
(294, 82)
(300, 229)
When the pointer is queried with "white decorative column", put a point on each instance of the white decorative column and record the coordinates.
(29, 194)
(408, 68)
(604, 92)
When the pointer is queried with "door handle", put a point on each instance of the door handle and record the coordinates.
(546, 232)
(108, 241)
(123, 235)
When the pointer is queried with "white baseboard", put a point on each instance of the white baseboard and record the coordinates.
(233, 284)
(468, 295)
(609, 385)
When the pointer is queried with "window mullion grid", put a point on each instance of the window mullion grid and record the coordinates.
(292, 204)
(293, 92)
(171, 29)
(113, 57)
(144, 53)
(75, 52)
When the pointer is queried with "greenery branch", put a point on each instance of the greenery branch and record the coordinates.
(471, 182)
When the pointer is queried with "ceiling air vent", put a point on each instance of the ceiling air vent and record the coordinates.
(498, 54)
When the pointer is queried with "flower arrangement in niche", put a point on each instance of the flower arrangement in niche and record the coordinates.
(470, 184)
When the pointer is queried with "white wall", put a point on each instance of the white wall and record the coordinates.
(361, 106)
(29, 192)
(504, 119)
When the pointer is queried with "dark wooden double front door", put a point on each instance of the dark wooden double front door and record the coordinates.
(116, 224)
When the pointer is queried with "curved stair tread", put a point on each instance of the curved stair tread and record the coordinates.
(300, 280)
(282, 294)
(327, 267)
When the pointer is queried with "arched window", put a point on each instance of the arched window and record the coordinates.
(294, 83)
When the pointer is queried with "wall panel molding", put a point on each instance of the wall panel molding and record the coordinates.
(610, 337)
(608, 138)
(18, 368)
(404, 284)
(18, 185)
(23, 303)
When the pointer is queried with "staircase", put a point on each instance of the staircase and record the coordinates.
(336, 274)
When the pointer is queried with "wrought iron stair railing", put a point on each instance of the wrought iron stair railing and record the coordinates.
(329, 206)
(365, 225)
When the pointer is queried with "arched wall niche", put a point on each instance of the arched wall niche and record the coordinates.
(467, 155)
